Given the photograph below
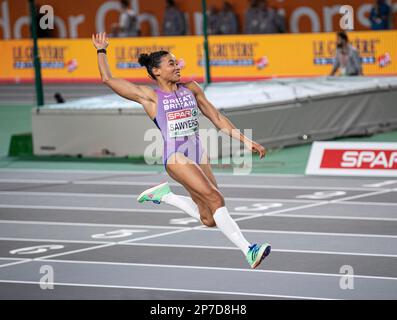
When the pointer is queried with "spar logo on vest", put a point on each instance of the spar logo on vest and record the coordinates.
(183, 122)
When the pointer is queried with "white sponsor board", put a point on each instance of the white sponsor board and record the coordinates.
(353, 159)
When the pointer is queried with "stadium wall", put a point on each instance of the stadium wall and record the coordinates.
(78, 19)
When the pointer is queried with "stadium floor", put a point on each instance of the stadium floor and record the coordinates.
(101, 244)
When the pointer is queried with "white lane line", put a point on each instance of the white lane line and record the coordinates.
(340, 200)
(151, 265)
(280, 175)
(77, 251)
(271, 200)
(145, 244)
(223, 185)
(52, 240)
(67, 194)
(360, 235)
(133, 196)
(124, 183)
(174, 184)
(371, 203)
(203, 228)
(199, 228)
(15, 263)
(96, 209)
(105, 209)
(282, 210)
(9, 258)
(132, 242)
(334, 217)
(82, 224)
(88, 172)
(102, 210)
(292, 187)
(86, 241)
(110, 244)
(361, 196)
(344, 253)
(154, 172)
(166, 289)
(33, 181)
(380, 184)
(153, 236)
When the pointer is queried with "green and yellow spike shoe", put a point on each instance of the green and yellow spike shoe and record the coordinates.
(154, 194)
(257, 253)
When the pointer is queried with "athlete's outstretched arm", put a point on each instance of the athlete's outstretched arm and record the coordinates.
(139, 93)
(222, 122)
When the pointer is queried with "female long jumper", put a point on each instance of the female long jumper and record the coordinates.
(173, 106)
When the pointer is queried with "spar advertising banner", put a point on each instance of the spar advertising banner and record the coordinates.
(353, 159)
(232, 57)
(79, 19)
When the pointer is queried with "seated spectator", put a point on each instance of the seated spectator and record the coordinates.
(128, 22)
(347, 59)
(270, 21)
(174, 20)
(212, 21)
(252, 18)
(227, 20)
(380, 16)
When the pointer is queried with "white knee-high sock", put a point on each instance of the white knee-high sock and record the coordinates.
(230, 228)
(184, 203)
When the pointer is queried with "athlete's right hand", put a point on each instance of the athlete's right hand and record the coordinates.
(100, 40)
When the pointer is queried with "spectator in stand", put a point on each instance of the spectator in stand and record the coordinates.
(174, 20)
(128, 23)
(213, 21)
(347, 58)
(227, 20)
(270, 20)
(252, 18)
(380, 16)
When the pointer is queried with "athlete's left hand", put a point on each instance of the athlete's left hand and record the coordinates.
(100, 40)
(256, 148)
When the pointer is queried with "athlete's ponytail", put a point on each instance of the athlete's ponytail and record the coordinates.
(143, 59)
(151, 61)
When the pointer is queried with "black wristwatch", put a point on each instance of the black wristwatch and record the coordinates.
(101, 51)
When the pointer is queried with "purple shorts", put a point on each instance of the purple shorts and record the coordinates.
(190, 146)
